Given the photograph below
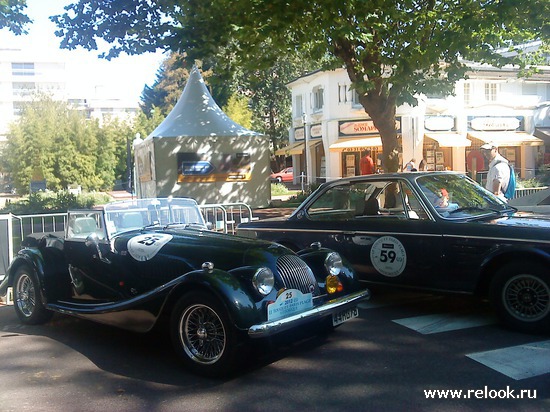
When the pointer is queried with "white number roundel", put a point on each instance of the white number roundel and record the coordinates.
(388, 256)
(145, 247)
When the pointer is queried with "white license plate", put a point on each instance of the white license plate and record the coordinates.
(345, 315)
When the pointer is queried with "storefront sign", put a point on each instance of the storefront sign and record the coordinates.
(316, 130)
(495, 123)
(363, 127)
(439, 123)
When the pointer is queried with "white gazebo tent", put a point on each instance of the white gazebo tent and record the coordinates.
(199, 152)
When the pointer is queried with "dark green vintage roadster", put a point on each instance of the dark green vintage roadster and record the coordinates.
(132, 263)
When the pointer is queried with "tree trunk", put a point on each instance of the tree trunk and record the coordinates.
(381, 109)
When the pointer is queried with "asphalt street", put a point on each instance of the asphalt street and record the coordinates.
(402, 348)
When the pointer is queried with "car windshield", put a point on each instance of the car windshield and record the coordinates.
(137, 213)
(456, 196)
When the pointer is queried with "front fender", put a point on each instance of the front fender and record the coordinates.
(242, 305)
(29, 257)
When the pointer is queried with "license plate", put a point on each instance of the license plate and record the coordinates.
(345, 315)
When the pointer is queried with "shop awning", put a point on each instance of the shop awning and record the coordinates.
(507, 138)
(342, 145)
(295, 148)
(543, 133)
(449, 139)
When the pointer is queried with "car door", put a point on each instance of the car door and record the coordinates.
(382, 228)
(95, 273)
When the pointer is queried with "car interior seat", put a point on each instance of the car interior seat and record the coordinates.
(371, 206)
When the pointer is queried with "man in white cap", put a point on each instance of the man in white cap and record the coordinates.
(499, 171)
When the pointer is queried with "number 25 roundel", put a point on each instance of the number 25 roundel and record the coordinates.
(145, 247)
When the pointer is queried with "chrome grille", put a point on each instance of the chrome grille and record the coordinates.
(295, 274)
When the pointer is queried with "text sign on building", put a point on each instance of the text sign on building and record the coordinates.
(439, 123)
(487, 123)
(315, 131)
(363, 127)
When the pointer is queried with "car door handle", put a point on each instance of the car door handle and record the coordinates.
(342, 237)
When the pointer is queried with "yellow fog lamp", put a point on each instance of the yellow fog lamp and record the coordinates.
(333, 284)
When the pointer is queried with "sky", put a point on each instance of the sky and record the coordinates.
(88, 75)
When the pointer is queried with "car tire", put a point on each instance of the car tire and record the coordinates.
(279, 179)
(520, 293)
(27, 299)
(204, 336)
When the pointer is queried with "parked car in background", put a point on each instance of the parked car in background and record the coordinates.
(439, 231)
(133, 263)
(285, 175)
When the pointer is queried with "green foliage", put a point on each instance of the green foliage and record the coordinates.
(53, 142)
(278, 189)
(392, 51)
(238, 111)
(50, 202)
(12, 16)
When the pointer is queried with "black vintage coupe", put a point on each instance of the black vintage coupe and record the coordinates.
(431, 230)
(133, 263)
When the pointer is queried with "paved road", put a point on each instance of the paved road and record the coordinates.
(401, 345)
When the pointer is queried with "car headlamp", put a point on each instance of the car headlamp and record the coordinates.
(263, 281)
(333, 284)
(333, 263)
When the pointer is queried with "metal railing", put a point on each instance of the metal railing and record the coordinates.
(526, 191)
(224, 217)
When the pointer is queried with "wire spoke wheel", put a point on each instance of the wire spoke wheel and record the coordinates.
(202, 334)
(27, 298)
(526, 297)
(25, 295)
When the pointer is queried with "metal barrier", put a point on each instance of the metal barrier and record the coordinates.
(526, 191)
(224, 217)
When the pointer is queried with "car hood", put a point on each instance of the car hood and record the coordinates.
(198, 246)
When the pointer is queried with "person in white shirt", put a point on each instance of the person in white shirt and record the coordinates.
(499, 171)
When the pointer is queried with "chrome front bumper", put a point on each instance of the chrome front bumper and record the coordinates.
(332, 306)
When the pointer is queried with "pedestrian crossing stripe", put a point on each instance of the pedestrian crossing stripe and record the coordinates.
(438, 323)
(517, 362)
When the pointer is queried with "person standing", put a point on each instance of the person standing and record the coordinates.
(366, 165)
(498, 176)
(422, 166)
(410, 165)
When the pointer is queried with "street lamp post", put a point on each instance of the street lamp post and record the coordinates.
(306, 147)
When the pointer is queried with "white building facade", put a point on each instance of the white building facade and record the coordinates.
(491, 105)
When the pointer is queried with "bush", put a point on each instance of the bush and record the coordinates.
(278, 189)
(54, 202)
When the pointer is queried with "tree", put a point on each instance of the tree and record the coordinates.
(392, 50)
(53, 142)
(237, 109)
(12, 16)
